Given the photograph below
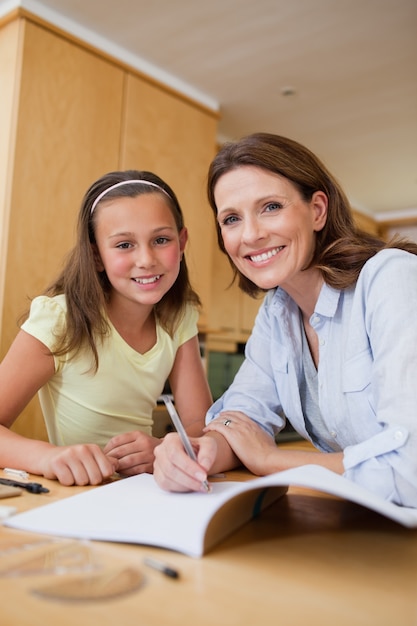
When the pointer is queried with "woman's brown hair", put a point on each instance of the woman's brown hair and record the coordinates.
(341, 248)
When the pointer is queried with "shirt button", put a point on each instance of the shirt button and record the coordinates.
(333, 434)
(398, 435)
(322, 342)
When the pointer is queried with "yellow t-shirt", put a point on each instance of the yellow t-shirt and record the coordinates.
(82, 407)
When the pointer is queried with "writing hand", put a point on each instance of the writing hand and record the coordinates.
(174, 470)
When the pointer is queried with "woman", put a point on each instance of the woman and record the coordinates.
(333, 349)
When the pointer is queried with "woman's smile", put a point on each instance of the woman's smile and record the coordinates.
(261, 257)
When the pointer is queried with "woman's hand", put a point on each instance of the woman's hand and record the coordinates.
(81, 464)
(251, 444)
(134, 452)
(174, 470)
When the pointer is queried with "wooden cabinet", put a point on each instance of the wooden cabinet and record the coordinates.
(69, 114)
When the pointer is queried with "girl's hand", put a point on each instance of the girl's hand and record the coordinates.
(134, 452)
(251, 444)
(82, 464)
(174, 470)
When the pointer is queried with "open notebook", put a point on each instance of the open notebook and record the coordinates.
(136, 510)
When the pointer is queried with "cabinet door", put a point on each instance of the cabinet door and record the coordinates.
(225, 296)
(10, 37)
(248, 312)
(176, 139)
(69, 111)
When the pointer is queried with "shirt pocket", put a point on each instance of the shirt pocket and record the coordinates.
(357, 372)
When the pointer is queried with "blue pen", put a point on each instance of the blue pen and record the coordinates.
(181, 431)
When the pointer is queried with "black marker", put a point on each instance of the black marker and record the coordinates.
(161, 567)
(31, 487)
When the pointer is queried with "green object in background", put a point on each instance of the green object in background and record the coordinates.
(222, 368)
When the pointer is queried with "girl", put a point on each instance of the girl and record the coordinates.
(333, 349)
(101, 342)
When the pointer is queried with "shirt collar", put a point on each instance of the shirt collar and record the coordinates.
(328, 301)
(326, 305)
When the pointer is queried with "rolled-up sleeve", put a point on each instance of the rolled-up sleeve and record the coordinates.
(379, 465)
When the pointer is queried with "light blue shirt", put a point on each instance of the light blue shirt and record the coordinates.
(367, 373)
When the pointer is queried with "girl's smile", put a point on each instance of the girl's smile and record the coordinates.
(147, 281)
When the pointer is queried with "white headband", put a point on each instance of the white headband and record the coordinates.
(126, 182)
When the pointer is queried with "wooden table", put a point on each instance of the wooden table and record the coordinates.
(309, 559)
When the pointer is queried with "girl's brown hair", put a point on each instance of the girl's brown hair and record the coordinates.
(341, 248)
(87, 290)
